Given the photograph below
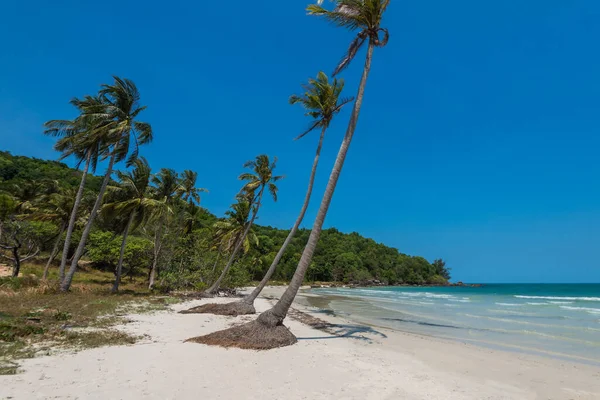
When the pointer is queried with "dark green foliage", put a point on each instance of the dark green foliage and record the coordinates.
(15, 170)
(349, 258)
(188, 253)
(103, 249)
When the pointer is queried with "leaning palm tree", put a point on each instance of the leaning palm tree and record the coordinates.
(83, 139)
(260, 179)
(118, 111)
(322, 102)
(167, 186)
(135, 204)
(268, 331)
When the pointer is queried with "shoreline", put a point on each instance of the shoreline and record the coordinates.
(344, 361)
(323, 301)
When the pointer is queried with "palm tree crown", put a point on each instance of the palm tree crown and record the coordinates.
(229, 231)
(121, 106)
(187, 189)
(261, 176)
(321, 100)
(134, 194)
(363, 16)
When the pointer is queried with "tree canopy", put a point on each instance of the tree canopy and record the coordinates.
(342, 257)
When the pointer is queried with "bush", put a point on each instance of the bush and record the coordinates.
(439, 280)
(103, 249)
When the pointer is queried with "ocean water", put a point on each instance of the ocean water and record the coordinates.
(557, 320)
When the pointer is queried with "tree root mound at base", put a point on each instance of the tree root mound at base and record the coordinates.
(253, 335)
(231, 309)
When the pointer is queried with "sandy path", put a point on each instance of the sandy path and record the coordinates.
(320, 366)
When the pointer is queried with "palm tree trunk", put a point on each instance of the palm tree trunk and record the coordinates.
(215, 286)
(115, 287)
(212, 273)
(66, 283)
(252, 296)
(154, 268)
(54, 251)
(71, 227)
(277, 314)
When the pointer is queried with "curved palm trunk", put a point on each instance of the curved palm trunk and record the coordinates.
(277, 314)
(54, 251)
(212, 273)
(66, 283)
(119, 270)
(154, 268)
(252, 296)
(71, 227)
(215, 286)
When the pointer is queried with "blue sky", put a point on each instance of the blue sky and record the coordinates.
(478, 141)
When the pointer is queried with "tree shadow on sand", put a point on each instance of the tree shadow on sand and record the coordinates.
(337, 331)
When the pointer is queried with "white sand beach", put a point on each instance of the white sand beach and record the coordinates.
(351, 364)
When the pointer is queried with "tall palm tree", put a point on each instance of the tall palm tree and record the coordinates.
(260, 179)
(364, 16)
(322, 102)
(118, 111)
(135, 203)
(268, 330)
(82, 138)
(166, 188)
(187, 187)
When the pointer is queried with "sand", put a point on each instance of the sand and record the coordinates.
(356, 363)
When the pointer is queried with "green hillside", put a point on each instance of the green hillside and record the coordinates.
(340, 257)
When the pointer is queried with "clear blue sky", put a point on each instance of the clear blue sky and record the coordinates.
(478, 141)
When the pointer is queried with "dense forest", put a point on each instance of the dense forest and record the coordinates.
(188, 260)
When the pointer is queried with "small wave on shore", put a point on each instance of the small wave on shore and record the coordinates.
(565, 317)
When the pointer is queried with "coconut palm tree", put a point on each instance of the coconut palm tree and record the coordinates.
(187, 187)
(322, 102)
(166, 188)
(260, 179)
(135, 204)
(83, 138)
(365, 17)
(118, 113)
(267, 331)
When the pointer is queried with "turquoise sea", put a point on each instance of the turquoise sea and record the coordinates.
(557, 320)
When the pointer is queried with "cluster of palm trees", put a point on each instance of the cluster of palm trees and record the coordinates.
(108, 128)
(322, 101)
(363, 17)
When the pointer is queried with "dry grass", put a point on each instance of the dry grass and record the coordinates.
(252, 335)
(35, 317)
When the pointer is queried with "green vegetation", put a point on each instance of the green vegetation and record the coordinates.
(149, 227)
(35, 318)
(339, 257)
(364, 18)
(18, 170)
